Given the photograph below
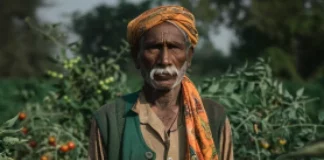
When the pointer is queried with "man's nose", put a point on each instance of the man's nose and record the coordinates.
(164, 58)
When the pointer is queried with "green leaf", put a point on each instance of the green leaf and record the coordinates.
(103, 68)
(275, 83)
(213, 88)
(280, 88)
(199, 89)
(105, 48)
(123, 77)
(11, 141)
(287, 94)
(263, 86)
(300, 92)
(259, 68)
(77, 70)
(225, 102)
(292, 114)
(248, 73)
(250, 87)
(237, 98)
(321, 116)
(229, 87)
(261, 59)
(9, 123)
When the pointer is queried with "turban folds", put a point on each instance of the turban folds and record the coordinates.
(150, 18)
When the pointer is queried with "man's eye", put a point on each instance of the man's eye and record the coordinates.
(153, 47)
(174, 46)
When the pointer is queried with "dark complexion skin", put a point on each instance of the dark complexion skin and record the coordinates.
(163, 45)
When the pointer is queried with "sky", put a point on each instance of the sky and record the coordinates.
(57, 12)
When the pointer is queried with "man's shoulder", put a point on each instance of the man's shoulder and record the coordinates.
(112, 104)
(212, 105)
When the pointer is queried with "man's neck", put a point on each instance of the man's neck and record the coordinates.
(162, 98)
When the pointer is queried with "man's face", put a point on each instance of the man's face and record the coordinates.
(164, 56)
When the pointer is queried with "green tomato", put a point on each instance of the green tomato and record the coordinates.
(101, 82)
(54, 74)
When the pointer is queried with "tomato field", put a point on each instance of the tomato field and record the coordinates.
(268, 118)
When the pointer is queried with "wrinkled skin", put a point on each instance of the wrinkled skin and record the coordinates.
(163, 46)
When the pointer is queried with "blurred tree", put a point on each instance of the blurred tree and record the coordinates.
(105, 26)
(22, 52)
(295, 28)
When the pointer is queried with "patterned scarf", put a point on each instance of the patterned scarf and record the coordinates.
(199, 136)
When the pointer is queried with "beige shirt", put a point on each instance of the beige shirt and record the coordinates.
(166, 147)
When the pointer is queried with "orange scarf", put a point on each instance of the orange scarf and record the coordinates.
(199, 136)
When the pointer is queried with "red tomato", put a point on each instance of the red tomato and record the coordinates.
(44, 158)
(22, 116)
(24, 130)
(51, 141)
(71, 145)
(64, 148)
(32, 144)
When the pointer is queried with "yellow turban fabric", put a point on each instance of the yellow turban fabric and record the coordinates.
(150, 18)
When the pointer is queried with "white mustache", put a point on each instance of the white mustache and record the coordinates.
(172, 70)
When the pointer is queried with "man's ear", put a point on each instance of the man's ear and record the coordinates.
(135, 58)
(190, 55)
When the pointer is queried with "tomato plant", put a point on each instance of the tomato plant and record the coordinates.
(267, 119)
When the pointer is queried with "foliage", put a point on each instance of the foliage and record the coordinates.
(63, 116)
(15, 93)
(267, 119)
(9, 139)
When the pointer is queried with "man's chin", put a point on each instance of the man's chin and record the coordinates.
(163, 85)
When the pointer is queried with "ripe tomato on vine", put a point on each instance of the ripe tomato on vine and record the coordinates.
(22, 116)
(64, 148)
(32, 143)
(24, 130)
(71, 145)
(52, 141)
(44, 157)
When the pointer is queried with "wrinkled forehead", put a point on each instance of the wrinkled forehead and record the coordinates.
(164, 31)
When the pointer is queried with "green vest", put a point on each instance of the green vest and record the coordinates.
(119, 127)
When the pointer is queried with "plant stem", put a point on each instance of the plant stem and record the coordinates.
(246, 119)
(257, 146)
(299, 125)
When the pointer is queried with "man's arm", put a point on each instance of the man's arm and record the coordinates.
(226, 143)
(96, 149)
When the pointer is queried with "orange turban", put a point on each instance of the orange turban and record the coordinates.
(150, 18)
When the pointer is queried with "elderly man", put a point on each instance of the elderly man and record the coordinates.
(167, 118)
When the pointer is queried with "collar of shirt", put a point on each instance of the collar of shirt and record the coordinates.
(148, 117)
